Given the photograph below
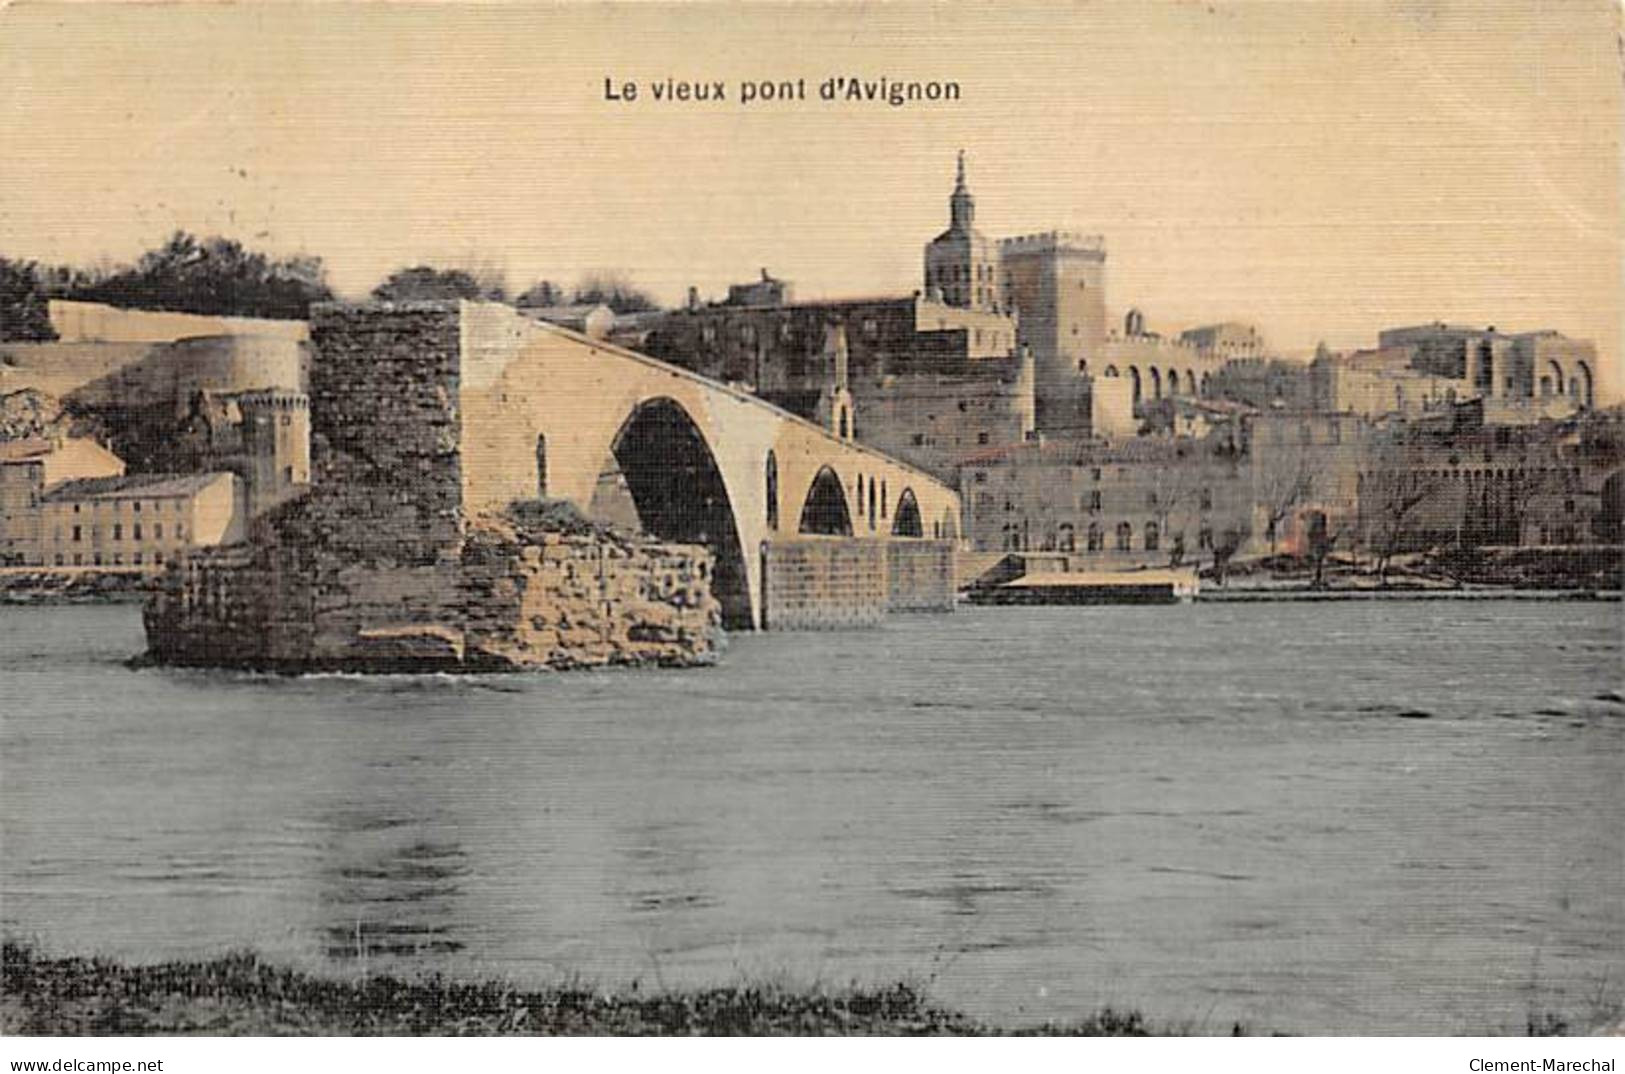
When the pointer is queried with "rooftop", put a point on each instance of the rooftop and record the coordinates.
(131, 486)
(22, 450)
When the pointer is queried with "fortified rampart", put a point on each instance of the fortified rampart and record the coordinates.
(84, 322)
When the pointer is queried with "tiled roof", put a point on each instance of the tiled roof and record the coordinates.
(131, 486)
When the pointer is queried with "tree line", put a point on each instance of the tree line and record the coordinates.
(221, 277)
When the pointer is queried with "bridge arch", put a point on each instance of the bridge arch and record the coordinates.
(824, 513)
(679, 494)
(906, 519)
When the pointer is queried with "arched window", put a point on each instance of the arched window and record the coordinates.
(1152, 537)
(843, 423)
(1096, 538)
(1134, 377)
(772, 477)
(1156, 383)
(906, 521)
(1173, 383)
(541, 466)
(871, 503)
(1125, 535)
(1111, 371)
(1069, 540)
(883, 498)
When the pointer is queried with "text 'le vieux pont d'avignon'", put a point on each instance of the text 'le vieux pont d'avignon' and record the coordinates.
(833, 90)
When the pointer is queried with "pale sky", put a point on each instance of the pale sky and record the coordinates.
(1321, 169)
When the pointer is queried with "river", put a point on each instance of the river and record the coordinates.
(1393, 817)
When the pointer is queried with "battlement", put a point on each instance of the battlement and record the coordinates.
(273, 399)
(1046, 242)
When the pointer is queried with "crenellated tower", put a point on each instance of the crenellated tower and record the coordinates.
(276, 445)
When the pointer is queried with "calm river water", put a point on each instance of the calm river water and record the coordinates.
(1386, 817)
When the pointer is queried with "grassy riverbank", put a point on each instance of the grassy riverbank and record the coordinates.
(240, 995)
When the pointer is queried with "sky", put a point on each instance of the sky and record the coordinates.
(1321, 169)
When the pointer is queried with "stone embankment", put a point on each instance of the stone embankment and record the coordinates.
(520, 591)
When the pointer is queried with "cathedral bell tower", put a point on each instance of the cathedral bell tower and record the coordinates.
(961, 265)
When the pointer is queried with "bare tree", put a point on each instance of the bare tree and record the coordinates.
(1284, 480)
(1228, 543)
(1174, 486)
(1392, 490)
(1322, 539)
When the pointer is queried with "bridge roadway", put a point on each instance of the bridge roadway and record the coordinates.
(544, 409)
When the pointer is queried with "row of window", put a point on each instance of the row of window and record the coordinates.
(1094, 501)
(135, 505)
(1016, 539)
(747, 332)
(980, 476)
(118, 532)
(136, 560)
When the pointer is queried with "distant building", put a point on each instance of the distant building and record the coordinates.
(1262, 383)
(911, 361)
(1226, 340)
(1519, 379)
(1122, 504)
(28, 468)
(767, 291)
(1380, 381)
(1056, 283)
(138, 520)
(1494, 365)
(1200, 363)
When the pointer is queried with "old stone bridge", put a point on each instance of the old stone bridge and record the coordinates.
(479, 406)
